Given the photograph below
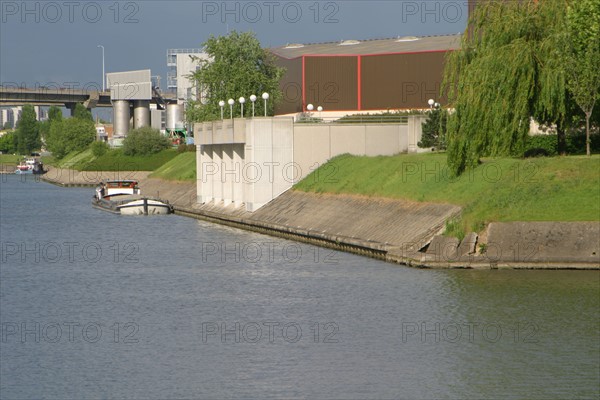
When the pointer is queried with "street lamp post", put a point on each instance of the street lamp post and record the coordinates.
(221, 104)
(253, 99)
(265, 97)
(242, 101)
(103, 75)
(319, 109)
(309, 107)
(231, 103)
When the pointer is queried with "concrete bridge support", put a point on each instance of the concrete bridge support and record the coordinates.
(121, 116)
(71, 108)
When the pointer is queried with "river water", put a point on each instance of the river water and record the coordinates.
(95, 305)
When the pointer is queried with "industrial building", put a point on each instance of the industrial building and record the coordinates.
(367, 75)
(182, 63)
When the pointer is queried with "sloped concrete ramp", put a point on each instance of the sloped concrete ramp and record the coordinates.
(387, 222)
(384, 228)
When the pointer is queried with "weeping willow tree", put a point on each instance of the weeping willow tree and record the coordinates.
(507, 71)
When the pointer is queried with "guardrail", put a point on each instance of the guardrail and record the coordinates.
(353, 119)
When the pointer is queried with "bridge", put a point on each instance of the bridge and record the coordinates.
(130, 94)
(68, 97)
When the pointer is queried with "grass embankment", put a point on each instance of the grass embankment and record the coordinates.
(506, 189)
(180, 168)
(113, 160)
(10, 159)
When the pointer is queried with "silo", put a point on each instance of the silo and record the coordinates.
(121, 117)
(174, 117)
(141, 113)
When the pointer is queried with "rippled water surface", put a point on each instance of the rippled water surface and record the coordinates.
(95, 305)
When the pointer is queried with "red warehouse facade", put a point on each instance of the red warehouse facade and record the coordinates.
(381, 74)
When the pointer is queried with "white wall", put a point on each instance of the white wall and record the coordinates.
(186, 66)
(244, 161)
(253, 161)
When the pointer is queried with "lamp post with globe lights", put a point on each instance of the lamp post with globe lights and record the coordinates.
(221, 104)
(231, 102)
(310, 107)
(252, 99)
(265, 97)
(242, 101)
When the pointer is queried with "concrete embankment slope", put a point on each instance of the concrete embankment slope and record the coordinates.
(382, 228)
(388, 229)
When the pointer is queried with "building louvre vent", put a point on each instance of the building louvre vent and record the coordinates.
(349, 42)
(407, 39)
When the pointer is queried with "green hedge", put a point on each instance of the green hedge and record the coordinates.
(145, 141)
(549, 143)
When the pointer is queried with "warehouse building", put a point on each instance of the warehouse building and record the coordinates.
(363, 76)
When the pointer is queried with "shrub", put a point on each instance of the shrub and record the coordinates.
(434, 129)
(99, 148)
(576, 143)
(547, 145)
(145, 141)
(541, 145)
(182, 148)
(71, 134)
(536, 152)
(191, 148)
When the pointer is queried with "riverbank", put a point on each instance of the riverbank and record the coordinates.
(394, 230)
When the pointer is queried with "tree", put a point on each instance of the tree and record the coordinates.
(27, 135)
(237, 67)
(434, 129)
(72, 134)
(581, 57)
(54, 140)
(82, 113)
(145, 141)
(506, 72)
(54, 114)
(7, 143)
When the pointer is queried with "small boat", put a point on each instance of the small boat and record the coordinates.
(124, 197)
(30, 166)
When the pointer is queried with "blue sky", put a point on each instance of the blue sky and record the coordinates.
(55, 42)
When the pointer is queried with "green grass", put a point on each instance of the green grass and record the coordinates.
(504, 189)
(114, 160)
(10, 159)
(180, 168)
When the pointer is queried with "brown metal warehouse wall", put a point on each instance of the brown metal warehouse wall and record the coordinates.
(291, 86)
(331, 82)
(393, 81)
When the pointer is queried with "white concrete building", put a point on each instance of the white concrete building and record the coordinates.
(181, 64)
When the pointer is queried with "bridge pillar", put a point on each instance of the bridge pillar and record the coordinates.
(141, 113)
(121, 117)
(92, 101)
(71, 107)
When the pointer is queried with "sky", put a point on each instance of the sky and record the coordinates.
(55, 43)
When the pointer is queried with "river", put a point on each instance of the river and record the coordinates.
(95, 305)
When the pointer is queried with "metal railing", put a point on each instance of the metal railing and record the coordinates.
(314, 118)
